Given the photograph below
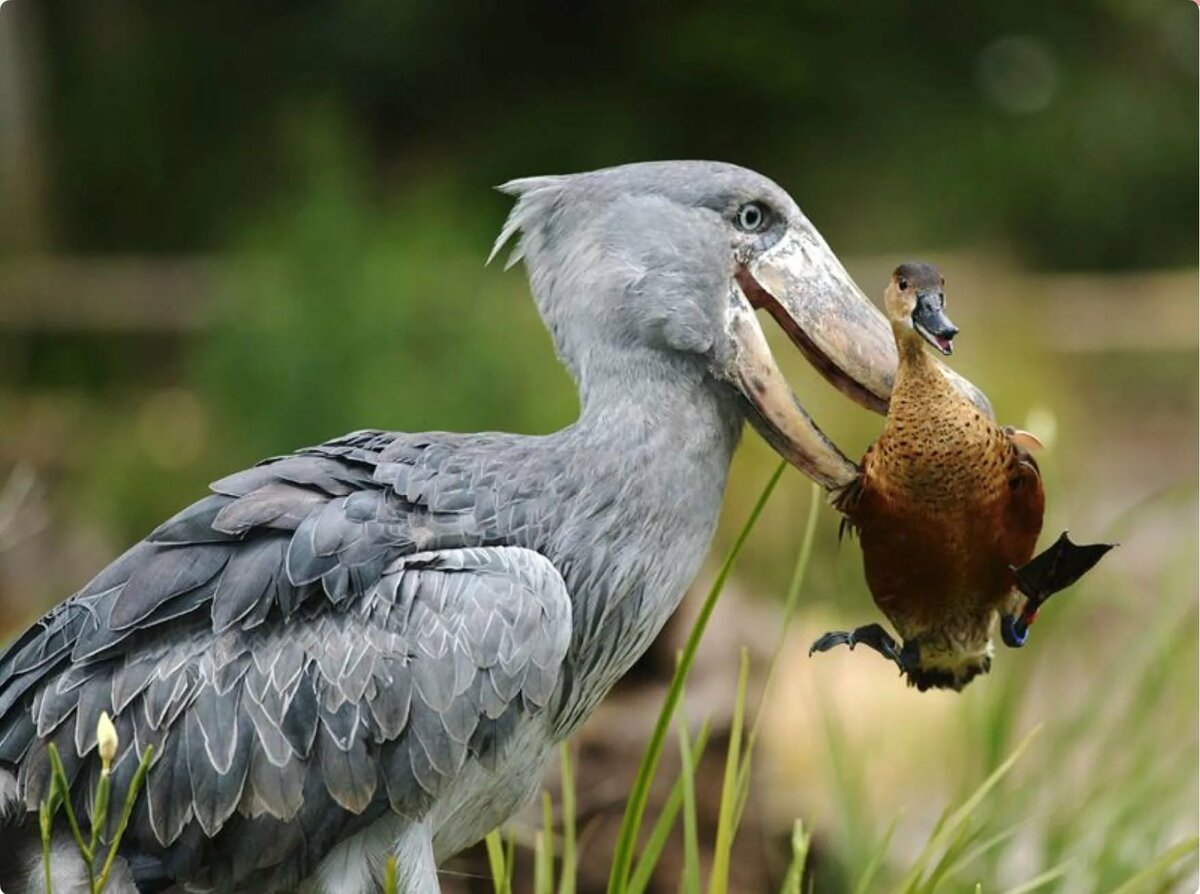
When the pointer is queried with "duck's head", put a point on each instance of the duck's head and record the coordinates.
(915, 303)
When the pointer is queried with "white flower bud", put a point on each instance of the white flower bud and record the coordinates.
(106, 737)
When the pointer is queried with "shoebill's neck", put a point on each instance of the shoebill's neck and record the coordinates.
(648, 459)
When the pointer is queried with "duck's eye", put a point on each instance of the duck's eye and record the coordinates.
(751, 217)
(902, 283)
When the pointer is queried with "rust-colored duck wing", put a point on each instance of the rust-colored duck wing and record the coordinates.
(1022, 520)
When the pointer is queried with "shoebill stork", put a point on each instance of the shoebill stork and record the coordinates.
(372, 646)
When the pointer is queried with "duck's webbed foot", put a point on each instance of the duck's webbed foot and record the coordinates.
(1051, 570)
(872, 635)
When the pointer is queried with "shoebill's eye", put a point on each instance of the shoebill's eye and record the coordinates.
(751, 217)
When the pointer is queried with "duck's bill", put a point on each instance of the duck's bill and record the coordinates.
(941, 342)
(805, 289)
(932, 324)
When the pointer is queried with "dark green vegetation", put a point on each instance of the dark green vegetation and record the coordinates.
(227, 230)
(1063, 128)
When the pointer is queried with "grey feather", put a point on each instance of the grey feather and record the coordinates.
(273, 789)
(350, 775)
(274, 505)
(92, 700)
(170, 572)
(405, 796)
(389, 703)
(131, 679)
(275, 745)
(215, 719)
(216, 788)
(195, 524)
(250, 578)
(301, 719)
(169, 791)
(341, 725)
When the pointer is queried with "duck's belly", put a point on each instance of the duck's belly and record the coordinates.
(926, 563)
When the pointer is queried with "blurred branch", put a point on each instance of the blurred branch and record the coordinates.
(124, 294)
(19, 493)
(1086, 312)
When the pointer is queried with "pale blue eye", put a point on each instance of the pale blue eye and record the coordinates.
(751, 217)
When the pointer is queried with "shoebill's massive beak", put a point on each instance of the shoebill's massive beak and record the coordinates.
(802, 285)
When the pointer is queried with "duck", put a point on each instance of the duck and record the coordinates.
(948, 508)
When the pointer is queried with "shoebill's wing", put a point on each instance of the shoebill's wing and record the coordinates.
(299, 665)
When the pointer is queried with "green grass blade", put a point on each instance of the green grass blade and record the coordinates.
(639, 795)
(389, 876)
(566, 882)
(59, 781)
(854, 827)
(542, 871)
(548, 844)
(954, 825)
(789, 610)
(496, 863)
(691, 837)
(718, 882)
(510, 861)
(45, 821)
(792, 597)
(866, 880)
(135, 786)
(100, 809)
(661, 831)
(1042, 879)
(1156, 870)
(972, 854)
(958, 846)
(795, 874)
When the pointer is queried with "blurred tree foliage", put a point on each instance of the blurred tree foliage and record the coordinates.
(1067, 129)
(341, 311)
(338, 159)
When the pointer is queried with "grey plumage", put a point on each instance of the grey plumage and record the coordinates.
(411, 663)
(372, 644)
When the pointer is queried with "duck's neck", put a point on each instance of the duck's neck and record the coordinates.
(918, 376)
(917, 458)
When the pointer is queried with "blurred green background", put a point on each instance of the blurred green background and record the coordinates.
(228, 230)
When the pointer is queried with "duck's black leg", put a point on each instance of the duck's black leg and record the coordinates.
(1051, 570)
(871, 635)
